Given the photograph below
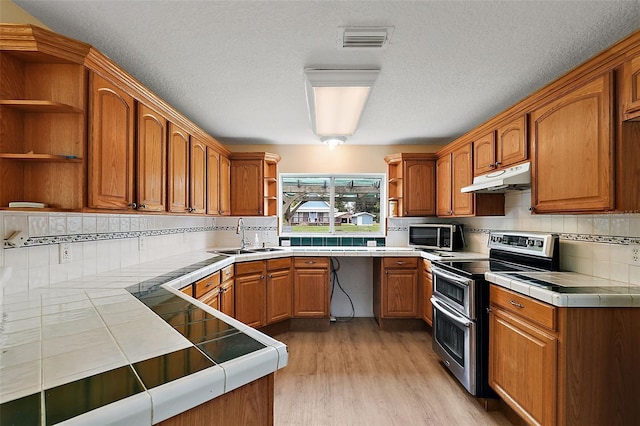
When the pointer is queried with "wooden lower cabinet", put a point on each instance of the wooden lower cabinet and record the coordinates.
(311, 287)
(564, 366)
(398, 288)
(279, 290)
(251, 293)
(427, 291)
(251, 404)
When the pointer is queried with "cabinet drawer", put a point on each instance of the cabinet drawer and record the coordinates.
(188, 290)
(274, 264)
(524, 306)
(311, 262)
(254, 267)
(206, 284)
(226, 273)
(400, 262)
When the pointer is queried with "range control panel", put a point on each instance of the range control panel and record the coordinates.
(539, 244)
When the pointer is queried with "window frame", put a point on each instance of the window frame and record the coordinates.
(332, 177)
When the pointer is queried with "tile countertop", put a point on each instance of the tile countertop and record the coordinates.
(569, 289)
(126, 326)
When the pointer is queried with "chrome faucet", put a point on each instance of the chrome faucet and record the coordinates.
(239, 229)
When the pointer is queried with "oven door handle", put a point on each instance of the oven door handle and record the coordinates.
(455, 278)
(441, 307)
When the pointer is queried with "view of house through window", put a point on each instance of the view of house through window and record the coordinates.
(331, 204)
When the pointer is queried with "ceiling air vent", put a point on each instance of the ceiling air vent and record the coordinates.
(364, 37)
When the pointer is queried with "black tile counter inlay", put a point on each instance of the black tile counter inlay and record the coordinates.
(72, 399)
(166, 368)
(22, 411)
(230, 347)
(203, 331)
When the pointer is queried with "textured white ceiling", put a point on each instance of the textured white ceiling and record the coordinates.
(236, 67)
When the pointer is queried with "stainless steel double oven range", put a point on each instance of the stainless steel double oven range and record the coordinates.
(461, 302)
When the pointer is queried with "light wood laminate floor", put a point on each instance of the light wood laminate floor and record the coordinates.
(355, 374)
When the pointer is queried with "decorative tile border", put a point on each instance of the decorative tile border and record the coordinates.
(606, 239)
(79, 238)
(334, 241)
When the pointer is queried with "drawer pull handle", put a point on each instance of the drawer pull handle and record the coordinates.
(400, 262)
(516, 304)
(310, 262)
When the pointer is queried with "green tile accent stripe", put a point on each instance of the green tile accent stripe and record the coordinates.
(333, 241)
(22, 411)
(72, 399)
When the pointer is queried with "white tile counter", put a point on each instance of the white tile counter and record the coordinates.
(569, 289)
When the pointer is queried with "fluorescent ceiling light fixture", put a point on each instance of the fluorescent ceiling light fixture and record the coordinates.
(336, 99)
(333, 141)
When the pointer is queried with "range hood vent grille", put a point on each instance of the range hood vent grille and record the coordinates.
(364, 37)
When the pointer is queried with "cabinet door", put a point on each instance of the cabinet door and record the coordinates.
(213, 181)
(251, 300)
(420, 196)
(212, 298)
(152, 152)
(462, 175)
(198, 177)
(511, 146)
(225, 186)
(630, 89)
(111, 153)
(572, 145)
(178, 170)
(278, 295)
(427, 291)
(246, 187)
(443, 185)
(400, 293)
(311, 293)
(227, 298)
(523, 367)
(484, 154)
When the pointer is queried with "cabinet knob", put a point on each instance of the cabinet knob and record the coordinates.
(190, 209)
(491, 165)
(262, 277)
(132, 205)
(142, 206)
(532, 209)
(497, 163)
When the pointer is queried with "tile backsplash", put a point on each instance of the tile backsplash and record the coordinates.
(100, 242)
(598, 245)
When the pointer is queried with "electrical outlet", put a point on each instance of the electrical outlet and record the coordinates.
(634, 249)
(64, 253)
(142, 243)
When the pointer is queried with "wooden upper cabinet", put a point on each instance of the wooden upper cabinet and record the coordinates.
(443, 179)
(572, 146)
(511, 143)
(420, 191)
(462, 175)
(197, 177)
(501, 148)
(218, 168)
(151, 160)
(254, 183)
(246, 187)
(178, 170)
(111, 146)
(411, 185)
(630, 89)
(213, 181)
(225, 186)
(484, 154)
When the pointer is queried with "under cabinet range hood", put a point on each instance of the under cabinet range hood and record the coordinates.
(514, 178)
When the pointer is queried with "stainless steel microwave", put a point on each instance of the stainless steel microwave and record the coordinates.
(436, 236)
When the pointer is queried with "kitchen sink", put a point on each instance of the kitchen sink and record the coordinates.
(235, 251)
(265, 249)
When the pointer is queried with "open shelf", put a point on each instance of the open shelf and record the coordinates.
(39, 106)
(51, 158)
